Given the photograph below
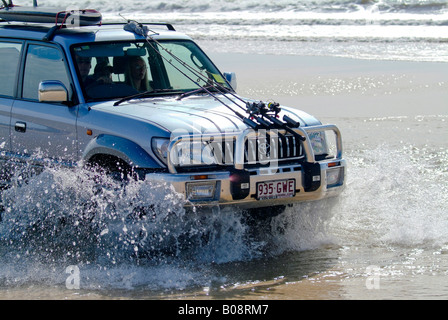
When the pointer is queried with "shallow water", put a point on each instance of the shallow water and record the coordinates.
(385, 237)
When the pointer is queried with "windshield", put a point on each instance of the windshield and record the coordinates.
(121, 69)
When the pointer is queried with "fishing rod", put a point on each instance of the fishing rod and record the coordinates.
(253, 108)
(256, 110)
(139, 29)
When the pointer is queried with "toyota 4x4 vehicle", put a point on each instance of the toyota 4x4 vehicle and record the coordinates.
(146, 101)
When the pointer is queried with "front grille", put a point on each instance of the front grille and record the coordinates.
(264, 149)
(261, 150)
(276, 148)
(254, 149)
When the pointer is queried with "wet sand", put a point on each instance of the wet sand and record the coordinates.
(341, 87)
(393, 116)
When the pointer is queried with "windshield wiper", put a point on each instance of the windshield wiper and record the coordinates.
(200, 90)
(142, 94)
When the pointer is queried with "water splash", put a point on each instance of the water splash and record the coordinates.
(395, 196)
(63, 217)
(129, 236)
(76, 213)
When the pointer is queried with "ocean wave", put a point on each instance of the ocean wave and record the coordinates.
(334, 6)
(416, 29)
(370, 34)
(288, 18)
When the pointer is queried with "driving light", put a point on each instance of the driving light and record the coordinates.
(204, 190)
(334, 177)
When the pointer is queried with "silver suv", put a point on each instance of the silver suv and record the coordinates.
(144, 101)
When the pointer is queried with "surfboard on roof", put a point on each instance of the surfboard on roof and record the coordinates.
(34, 14)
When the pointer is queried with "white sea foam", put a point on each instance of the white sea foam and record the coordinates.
(404, 30)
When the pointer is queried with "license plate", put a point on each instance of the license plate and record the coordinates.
(276, 189)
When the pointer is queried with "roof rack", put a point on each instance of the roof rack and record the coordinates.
(169, 26)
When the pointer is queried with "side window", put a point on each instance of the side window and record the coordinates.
(43, 63)
(9, 62)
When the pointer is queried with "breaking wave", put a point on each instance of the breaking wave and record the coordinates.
(412, 6)
(404, 30)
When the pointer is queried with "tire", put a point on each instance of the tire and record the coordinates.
(112, 166)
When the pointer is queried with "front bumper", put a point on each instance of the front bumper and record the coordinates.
(312, 180)
(220, 185)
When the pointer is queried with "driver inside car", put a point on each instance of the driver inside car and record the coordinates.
(136, 74)
(84, 64)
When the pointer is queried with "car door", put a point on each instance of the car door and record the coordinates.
(42, 131)
(9, 65)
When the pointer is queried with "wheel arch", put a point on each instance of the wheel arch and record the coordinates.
(108, 148)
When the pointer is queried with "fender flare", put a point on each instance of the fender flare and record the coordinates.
(119, 147)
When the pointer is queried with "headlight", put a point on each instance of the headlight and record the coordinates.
(319, 143)
(185, 153)
(190, 153)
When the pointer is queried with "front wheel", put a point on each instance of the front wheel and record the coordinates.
(113, 167)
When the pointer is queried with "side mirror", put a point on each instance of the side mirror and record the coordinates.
(52, 91)
(231, 79)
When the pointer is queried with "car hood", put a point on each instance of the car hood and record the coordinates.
(197, 114)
